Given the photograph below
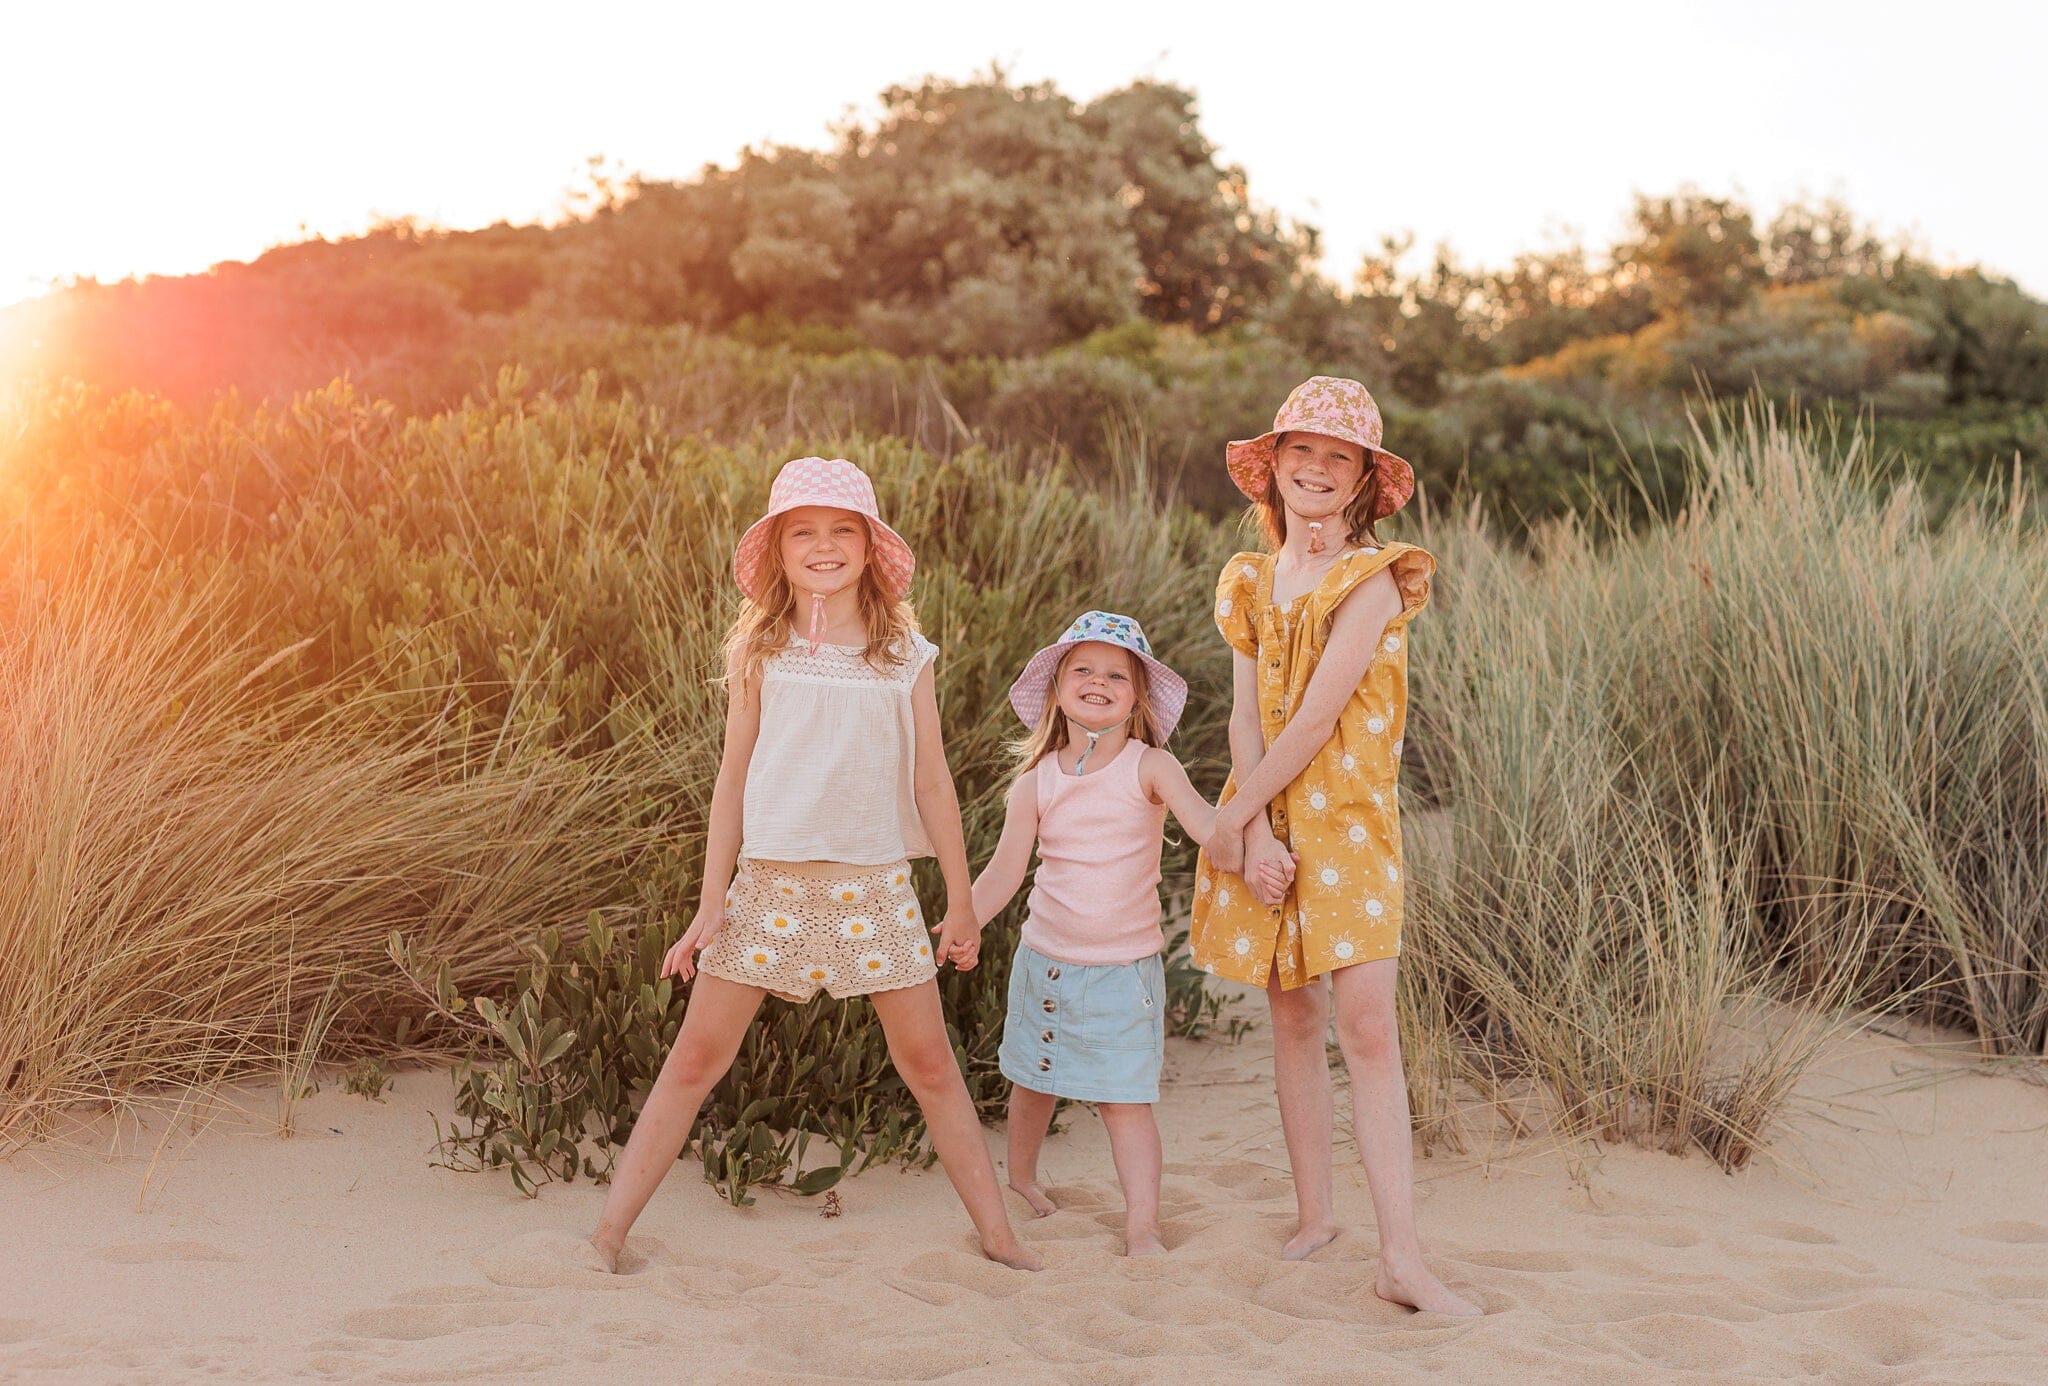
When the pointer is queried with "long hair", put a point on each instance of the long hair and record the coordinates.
(764, 624)
(1052, 733)
(1359, 522)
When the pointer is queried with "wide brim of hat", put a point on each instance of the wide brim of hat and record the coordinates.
(887, 550)
(1033, 688)
(1251, 463)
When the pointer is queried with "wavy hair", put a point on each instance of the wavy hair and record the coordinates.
(1359, 521)
(765, 624)
(1052, 732)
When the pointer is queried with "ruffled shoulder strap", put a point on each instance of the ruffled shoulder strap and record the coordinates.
(1412, 569)
(1239, 590)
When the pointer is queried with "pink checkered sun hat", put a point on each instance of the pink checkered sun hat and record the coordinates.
(1339, 408)
(1033, 688)
(825, 481)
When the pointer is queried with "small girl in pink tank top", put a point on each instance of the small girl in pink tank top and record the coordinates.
(1087, 1015)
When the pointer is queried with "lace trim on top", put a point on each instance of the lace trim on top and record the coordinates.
(846, 664)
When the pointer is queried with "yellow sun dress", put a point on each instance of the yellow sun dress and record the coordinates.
(1341, 814)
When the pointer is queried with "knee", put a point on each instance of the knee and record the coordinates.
(694, 1064)
(926, 1068)
(1369, 1039)
(1300, 1017)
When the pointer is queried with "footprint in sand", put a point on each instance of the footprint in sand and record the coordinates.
(2011, 1233)
(1888, 1334)
(941, 1277)
(1682, 1342)
(412, 1323)
(141, 1252)
(1795, 1232)
(554, 1260)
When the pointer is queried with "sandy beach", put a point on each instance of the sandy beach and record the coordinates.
(1897, 1231)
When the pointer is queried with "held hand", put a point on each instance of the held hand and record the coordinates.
(1226, 848)
(681, 960)
(959, 939)
(1269, 870)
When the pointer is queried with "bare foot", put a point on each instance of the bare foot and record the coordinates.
(1143, 1242)
(1013, 1254)
(1418, 1289)
(1032, 1192)
(1308, 1241)
(607, 1256)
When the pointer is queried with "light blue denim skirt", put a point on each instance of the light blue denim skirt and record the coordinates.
(1096, 1034)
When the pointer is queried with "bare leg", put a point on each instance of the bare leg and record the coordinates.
(1301, 1072)
(712, 1029)
(1371, 1041)
(1030, 1118)
(1134, 1146)
(916, 1030)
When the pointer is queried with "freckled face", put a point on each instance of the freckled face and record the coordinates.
(1318, 475)
(1096, 685)
(823, 549)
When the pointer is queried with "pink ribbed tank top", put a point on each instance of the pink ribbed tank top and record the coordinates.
(1095, 899)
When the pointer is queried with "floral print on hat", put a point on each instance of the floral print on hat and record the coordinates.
(1337, 408)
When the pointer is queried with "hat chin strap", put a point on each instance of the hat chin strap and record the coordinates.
(1081, 763)
(816, 637)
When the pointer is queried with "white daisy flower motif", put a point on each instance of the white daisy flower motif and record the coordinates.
(899, 878)
(874, 964)
(761, 959)
(1392, 645)
(1251, 574)
(1376, 725)
(821, 974)
(780, 924)
(1374, 907)
(788, 888)
(857, 926)
(1319, 801)
(1224, 606)
(1242, 947)
(1357, 833)
(849, 892)
(908, 917)
(923, 949)
(1344, 948)
(1329, 876)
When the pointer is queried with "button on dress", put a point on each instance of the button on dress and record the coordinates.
(1341, 814)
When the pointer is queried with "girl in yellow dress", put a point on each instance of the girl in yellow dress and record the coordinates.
(1319, 624)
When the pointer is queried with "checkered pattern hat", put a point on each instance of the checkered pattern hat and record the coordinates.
(825, 481)
(1033, 688)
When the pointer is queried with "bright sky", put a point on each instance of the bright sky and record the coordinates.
(154, 138)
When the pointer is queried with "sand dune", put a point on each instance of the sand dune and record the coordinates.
(1898, 1232)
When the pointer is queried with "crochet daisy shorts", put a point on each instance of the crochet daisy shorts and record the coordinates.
(794, 927)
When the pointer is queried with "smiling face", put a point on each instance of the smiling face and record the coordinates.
(823, 550)
(1317, 475)
(1097, 685)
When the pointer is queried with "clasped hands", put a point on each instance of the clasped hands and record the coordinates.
(1247, 848)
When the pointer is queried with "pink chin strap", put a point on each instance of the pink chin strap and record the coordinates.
(817, 631)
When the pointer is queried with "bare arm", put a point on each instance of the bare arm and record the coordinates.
(1355, 631)
(938, 805)
(1165, 781)
(728, 816)
(1004, 873)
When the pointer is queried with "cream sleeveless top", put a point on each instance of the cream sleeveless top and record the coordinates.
(1095, 897)
(832, 774)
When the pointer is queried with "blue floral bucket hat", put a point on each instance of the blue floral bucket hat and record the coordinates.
(1033, 688)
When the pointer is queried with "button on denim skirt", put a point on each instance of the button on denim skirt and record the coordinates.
(1096, 1034)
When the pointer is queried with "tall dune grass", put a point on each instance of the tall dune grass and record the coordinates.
(280, 682)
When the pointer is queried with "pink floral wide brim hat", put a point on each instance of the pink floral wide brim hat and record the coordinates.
(1339, 408)
(824, 481)
(1033, 688)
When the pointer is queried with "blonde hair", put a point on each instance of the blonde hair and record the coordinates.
(764, 625)
(1359, 519)
(1052, 733)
